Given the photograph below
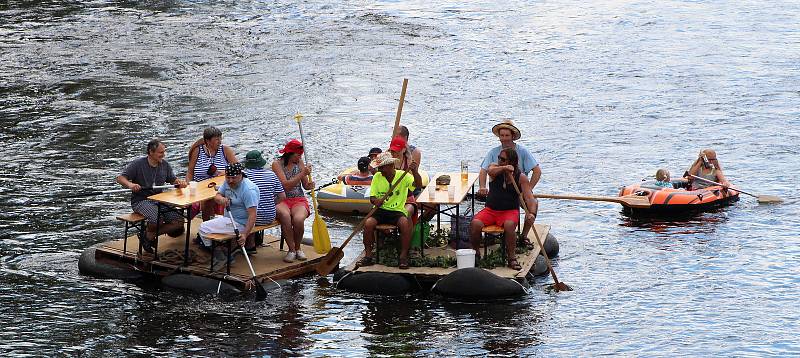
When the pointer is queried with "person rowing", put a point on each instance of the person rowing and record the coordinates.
(707, 167)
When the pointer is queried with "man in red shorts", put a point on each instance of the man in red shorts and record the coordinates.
(502, 205)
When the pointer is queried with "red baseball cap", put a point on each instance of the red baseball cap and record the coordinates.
(398, 144)
(294, 146)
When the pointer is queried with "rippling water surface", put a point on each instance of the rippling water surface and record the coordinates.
(605, 93)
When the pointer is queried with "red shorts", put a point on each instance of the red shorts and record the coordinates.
(497, 217)
(300, 200)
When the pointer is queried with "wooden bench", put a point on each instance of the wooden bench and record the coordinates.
(228, 239)
(133, 220)
(493, 231)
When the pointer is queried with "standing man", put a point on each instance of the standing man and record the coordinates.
(238, 195)
(140, 176)
(393, 209)
(508, 133)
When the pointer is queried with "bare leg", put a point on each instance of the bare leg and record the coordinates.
(299, 215)
(405, 227)
(475, 228)
(285, 218)
(369, 235)
(509, 228)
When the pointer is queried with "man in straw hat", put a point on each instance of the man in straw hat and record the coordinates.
(508, 133)
(392, 210)
(270, 190)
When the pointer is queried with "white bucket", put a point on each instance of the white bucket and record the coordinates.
(465, 258)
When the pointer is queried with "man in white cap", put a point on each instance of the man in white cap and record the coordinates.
(508, 133)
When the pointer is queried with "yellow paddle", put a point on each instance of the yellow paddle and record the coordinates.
(319, 231)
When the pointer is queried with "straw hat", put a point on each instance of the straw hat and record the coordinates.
(507, 124)
(382, 159)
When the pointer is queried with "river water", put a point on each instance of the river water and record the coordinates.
(605, 92)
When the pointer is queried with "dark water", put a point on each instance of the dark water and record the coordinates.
(605, 93)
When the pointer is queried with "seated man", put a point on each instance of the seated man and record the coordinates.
(362, 176)
(502, 205)
(240, 197)
(140, 176)
(270, 193)
(391, 210)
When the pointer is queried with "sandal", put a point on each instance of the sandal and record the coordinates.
(525, 242)
(403, 264)
(514, 264)
(366, 261)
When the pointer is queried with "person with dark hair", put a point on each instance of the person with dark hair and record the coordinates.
(507, 133)
(361, 176)
(207, 158)
(502, 204)
(372, 154)
(269, 187)
(147, 172)
(240, 196)
(294, 176)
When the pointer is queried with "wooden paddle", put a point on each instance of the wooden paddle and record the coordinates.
(396, 129)
(319, 230)
(631, 201)
(329, 262)
(559, 286)
(261, 293)
(761, 198)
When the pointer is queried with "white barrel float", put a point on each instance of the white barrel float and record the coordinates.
(199, 284)
(479, 284)
(88, 266)
(375, 283)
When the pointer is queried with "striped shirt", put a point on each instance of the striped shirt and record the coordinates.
(269, 187)
(204, 162)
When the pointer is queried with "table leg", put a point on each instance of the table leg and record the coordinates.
(158, 229)
(188, 211)
(458, 223)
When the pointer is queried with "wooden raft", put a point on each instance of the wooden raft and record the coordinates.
(267, 263)
(525, 260)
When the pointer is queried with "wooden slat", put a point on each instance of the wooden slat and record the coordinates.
(131, 218)
(492, 229)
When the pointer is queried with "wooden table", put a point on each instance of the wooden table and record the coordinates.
(443, 202)
(180, 201)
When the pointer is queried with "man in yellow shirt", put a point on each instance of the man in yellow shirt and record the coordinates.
(392, 210)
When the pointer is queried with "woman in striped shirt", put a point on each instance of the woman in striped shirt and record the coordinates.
(208, 158)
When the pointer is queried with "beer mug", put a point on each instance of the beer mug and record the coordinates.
(464, 170)
(193, 188)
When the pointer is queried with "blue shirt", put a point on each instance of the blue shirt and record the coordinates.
(243, 197)
(526, 161)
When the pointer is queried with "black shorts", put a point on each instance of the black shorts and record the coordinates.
(387, 216)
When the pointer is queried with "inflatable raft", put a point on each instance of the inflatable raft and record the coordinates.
(679, 199)
(351, 199)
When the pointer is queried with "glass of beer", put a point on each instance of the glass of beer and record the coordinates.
(464, 170)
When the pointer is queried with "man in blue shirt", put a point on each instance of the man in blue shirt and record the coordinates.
(508, 133)
(240, 196)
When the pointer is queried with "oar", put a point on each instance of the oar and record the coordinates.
(329, 262)
(631, 201)
(761, 197)
(333, 181)
(559, 286)
(396, 129)
(319, 231)
(261, 293)
(93, 193)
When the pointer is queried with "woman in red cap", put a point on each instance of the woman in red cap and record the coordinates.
(293, 173)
